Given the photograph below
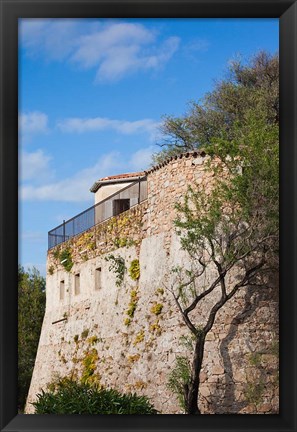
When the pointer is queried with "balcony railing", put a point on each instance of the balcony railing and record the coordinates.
(100, 212)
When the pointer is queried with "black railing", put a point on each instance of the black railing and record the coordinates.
(100, 212)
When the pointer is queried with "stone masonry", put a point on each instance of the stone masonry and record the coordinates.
(135, 350)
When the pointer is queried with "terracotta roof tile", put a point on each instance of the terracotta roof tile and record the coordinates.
(122, 176)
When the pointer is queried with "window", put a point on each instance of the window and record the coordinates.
(120, 205)
(62, 290)
(77, 284)
(98, 278)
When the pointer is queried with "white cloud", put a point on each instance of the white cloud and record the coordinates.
(80, 125)
(114, 48)
(76, 188)
(34, 165)
(33, 122)
(141, 159)
(55, 39)
(92, 48)
(193, 49)
(126, 59)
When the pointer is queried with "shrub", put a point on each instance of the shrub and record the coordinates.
(157, 308)
(70, 397)
(134, 270)
(131, 309)
(120, 242)
(89, 362)
(51, 270)
(131, 306)
(179, 378)
(65, 258)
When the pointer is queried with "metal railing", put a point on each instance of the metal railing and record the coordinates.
(100, 212)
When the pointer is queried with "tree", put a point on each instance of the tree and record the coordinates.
(231, 226)
(254, 86)
(31, 306)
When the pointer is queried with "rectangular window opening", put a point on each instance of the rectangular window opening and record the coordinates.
(98, 279)
(62, 290)
(120, 205)
(77, 284)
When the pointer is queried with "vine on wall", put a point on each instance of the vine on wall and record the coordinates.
(117, 265)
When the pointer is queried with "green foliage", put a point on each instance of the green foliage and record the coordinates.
(120, 242)
(230, 221)
(179, 379)
(31, 307)
(65, 258)
(117, 265)
(157, 308)
(159, 291)
(233, 225)
(274, 349)
(85, 333)
(51, 270)
(134, 269)
(156, 328)
(188, 342)
(131, 307)
(255, 359)
(127, 321)
(93, 340)
(71, 397)
(85, 257)
(239, 216)
(251, 87)
(89, 363)
(254, 392)
(139, 338)
(76, 337)
(56, 253)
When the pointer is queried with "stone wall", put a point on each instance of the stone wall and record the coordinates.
(132, 330)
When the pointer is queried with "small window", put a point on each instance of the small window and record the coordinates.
(120, 205)
(98, 278)
(62, 290)
(77, 284)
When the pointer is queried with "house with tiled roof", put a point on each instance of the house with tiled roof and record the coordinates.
(118, 193)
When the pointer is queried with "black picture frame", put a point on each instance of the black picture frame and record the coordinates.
(11, 10)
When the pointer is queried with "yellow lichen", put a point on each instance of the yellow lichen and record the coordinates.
(155, 328)
(139, 338)
(133, 358)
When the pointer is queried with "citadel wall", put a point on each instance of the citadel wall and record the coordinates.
(130, 330)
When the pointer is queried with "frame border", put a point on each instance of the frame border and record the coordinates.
(10, 11)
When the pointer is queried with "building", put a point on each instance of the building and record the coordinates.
(108, 270)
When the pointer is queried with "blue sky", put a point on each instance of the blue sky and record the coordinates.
(92, 94)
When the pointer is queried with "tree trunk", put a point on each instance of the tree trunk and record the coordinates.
(193, 389)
